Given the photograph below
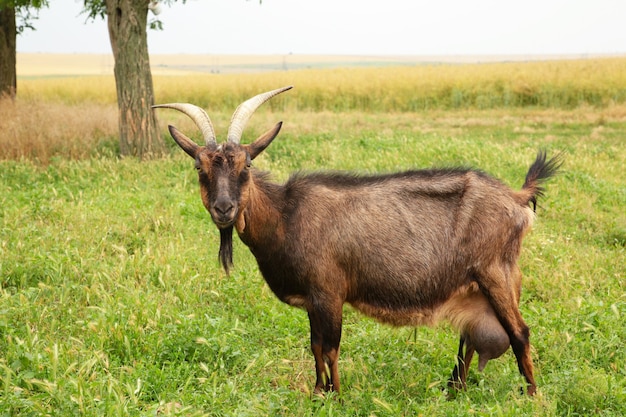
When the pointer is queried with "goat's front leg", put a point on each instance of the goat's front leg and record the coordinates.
(325, 338)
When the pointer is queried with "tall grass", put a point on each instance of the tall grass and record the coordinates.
(76, 117)
(41, 129)
(550, 84)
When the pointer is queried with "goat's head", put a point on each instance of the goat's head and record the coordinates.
(223, 169)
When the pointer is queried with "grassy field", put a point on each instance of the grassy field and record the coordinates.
(112, 301)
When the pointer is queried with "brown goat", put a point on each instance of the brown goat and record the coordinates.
(409, 248)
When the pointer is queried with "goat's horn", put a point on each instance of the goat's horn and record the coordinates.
(245, 110)
(198, 115)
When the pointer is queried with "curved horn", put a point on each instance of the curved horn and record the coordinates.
(245, 110)
(198, 115)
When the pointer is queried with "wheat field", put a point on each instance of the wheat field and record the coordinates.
(355, 85)
(76, 116)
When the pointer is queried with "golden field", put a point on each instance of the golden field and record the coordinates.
(331, 85)
(38, 64)
(67, 102)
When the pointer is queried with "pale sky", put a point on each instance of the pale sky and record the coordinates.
(354, 27)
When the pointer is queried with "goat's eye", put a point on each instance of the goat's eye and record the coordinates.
(248, 161)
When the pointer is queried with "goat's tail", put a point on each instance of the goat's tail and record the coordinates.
(539, 171)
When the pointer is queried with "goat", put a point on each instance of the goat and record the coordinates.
(408, 248)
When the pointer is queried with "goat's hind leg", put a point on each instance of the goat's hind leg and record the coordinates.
(458, 380)
(502, 291)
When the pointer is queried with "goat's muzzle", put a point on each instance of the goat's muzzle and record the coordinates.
(223, 220)
(223, 212)
(223, 207)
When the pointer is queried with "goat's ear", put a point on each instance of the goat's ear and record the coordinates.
(263, 141)
(184, 142)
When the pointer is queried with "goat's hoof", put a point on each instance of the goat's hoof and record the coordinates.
(323, 394)
(457, 384)
(454, 387)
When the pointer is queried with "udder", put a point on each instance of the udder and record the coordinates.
(470, 312)
(488, 338)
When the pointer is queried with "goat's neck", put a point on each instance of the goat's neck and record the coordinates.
(260, 225)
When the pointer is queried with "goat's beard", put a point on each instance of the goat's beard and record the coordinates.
(226, 248)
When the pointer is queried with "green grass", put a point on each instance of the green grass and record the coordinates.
(112, 301)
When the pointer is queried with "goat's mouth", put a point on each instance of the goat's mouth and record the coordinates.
(223, 221)
(223, 224)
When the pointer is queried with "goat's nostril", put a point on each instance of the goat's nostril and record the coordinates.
(224, 208)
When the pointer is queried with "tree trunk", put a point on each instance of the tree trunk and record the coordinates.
(139, 133)
(8, 33)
